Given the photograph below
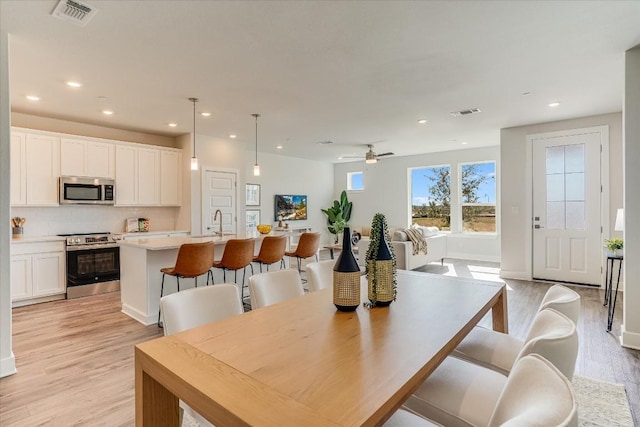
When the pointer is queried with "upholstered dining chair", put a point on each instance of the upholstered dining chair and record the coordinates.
(272, 250)
(499, 351)
(193, 260)
(404, 418)
(308, 246)
(195, 307)
(459, 393)
(273, 287)
(237, 255)
(320, 275)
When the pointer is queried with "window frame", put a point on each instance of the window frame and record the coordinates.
(462, 204)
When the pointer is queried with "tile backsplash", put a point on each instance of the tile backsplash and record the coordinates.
(49, 221)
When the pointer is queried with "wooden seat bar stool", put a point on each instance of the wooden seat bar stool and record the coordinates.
(271, 251)
(193, 260)
(237, 255)
(308, 246)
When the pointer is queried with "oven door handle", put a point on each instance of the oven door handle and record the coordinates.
(91, 247)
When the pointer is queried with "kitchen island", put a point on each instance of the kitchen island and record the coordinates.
(140, 276)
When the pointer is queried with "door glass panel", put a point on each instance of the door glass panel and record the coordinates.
(574, 158)
(575, 186)
(555, 160)
(555, 188)
(575, 216)
(555, 215)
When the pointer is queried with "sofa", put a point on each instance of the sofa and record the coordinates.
(403, 247)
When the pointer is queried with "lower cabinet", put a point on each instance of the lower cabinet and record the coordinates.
(37, 271)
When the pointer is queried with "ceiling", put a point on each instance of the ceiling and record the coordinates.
(347, 72)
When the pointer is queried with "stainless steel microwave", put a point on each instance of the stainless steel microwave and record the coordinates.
(86, 191)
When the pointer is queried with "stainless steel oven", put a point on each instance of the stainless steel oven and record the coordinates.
(93, 264)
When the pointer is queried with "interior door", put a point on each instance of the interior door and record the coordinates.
(566, 208)
(219, 193)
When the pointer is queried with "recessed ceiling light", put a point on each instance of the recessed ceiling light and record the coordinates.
(107, 112)
(339, 158)
(554, 104)
(279, 147)
(464, 143)
(33, 98)
(74, 84)
(173, 125)
(205, 114)
(233, 136)
(422, 121)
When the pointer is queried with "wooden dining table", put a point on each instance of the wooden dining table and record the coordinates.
(303, 363)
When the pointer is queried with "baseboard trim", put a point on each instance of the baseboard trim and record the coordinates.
(139, 316)
(629, 339)
(518, 275)
(8, 366)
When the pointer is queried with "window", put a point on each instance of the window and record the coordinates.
(354, 181)
(431, 196)
(478, 197)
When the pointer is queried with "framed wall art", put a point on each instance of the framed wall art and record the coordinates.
(252, 197)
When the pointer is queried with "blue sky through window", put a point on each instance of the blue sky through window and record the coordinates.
(356, 181)
(420, 184)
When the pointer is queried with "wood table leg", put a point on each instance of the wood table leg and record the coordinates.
(499, 313)
(155, 405)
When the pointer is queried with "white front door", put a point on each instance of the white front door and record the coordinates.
(219, 193)
(567, 241)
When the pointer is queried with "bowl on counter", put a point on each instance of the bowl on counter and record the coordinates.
(264, 228)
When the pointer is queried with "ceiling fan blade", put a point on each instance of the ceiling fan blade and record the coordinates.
(385, 154)
(352, 157)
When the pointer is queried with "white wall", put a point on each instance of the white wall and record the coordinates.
(288, 175)
(7, 360)
(387, 191)
(279, 175)
(515, 220)
(631, 316)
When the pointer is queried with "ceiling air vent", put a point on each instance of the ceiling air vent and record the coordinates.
(74, 11)
(466, 112)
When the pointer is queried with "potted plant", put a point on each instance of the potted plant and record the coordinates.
(613, 247)
(381, 264)
(338, 215)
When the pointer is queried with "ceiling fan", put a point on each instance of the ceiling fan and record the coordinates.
(371, 156)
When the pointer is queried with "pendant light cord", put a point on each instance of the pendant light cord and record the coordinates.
(256, 116)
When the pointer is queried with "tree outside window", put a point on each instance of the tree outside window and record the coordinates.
(431, 196)
(478, 201)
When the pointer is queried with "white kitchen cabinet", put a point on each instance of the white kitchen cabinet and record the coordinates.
(148, 169)
(126, 175)
(18, 168)
(37, 271)
(87, 158)
(170, 178)
(42, 169)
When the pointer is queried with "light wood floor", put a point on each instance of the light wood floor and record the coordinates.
(75, 357)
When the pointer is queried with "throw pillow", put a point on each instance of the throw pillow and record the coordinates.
(399, 236)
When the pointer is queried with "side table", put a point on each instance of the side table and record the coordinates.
(608, 287)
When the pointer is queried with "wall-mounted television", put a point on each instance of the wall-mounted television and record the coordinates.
(290, 207)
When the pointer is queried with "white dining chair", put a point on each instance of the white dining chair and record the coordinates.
(274, 286)
(195, 307)
(459, 393)
(405, 418)
(499, 351)
(320, 275)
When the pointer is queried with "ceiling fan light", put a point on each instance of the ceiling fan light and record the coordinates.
(371, 161)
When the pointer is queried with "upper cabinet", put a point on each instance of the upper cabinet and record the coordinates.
(35, 169)
(87, 158)
(145, 175)
(171, 178)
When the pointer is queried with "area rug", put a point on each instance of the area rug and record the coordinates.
(601, 404)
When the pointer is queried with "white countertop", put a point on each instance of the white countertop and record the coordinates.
(162, 243)
(36, 239)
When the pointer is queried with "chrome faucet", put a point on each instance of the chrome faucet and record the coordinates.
(215, 217)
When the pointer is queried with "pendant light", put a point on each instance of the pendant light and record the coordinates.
(256, 167)
(194, 159)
